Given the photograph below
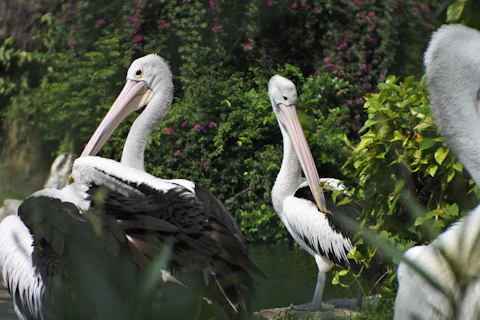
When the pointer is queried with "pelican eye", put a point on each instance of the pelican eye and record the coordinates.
(139, 73)
(285, 97)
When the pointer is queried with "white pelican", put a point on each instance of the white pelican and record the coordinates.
(139, 213)
(301, 204)
(451, 262)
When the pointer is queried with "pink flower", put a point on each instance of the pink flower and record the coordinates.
(326, 60)
(212, 124)
(248, 47)
(198, 127)
(71, 44)
(188, 1)
(73, 30)
(269, 3)
(166, 24)
(216, 28)
(371, 14)
(170, 158)
(81, 52)
(205, 164)
(100, 22)
(184, 123)
(294, 5)
(176, 153)
(180, 141)
(213, 2)
(138, 38)
(169, 130)
(250, 40)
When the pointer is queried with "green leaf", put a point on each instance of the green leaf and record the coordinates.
(455, 11)
(432, 169)
(399, 185)
(441, 154)
(458, 166)
(426, 143)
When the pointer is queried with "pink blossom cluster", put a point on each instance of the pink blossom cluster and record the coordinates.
(216, 28)
(163, 23)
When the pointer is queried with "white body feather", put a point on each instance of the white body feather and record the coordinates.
(16, 266)
(444, 263)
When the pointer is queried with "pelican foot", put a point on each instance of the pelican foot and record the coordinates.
(307, 307)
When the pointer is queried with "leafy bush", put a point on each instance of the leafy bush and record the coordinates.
(415, 185)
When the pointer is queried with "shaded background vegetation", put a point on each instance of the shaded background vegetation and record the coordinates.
(221, 131)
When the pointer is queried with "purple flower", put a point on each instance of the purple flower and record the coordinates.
(216, 28)
(100, 22)
(294, 5)
(184, 123)
(169, 130)
(138, 38)
(198, 127)
(212, 124)
(248, 47)
(342, 46)
(176, 153)
(205, 164)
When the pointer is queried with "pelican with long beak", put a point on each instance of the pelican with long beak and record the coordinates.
(301, 203)
(134, 215)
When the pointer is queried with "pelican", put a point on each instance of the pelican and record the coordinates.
(452, 64)
(299, 203)
(139, 212)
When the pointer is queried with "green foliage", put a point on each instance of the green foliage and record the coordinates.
(415, 186)
(466, 12)
(222, 54)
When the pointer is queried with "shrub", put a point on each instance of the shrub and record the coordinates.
(415, 185)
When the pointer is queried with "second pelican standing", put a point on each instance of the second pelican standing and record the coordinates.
(301, 204)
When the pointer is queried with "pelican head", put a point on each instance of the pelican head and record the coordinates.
(146, 77)
(283, 95)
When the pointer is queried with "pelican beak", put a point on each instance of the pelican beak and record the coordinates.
(289, 118)
(134, 95)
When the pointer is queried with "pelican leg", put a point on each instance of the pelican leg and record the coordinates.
(316, 304)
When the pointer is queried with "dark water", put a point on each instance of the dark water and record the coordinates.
(292, 275)
(291, 278)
